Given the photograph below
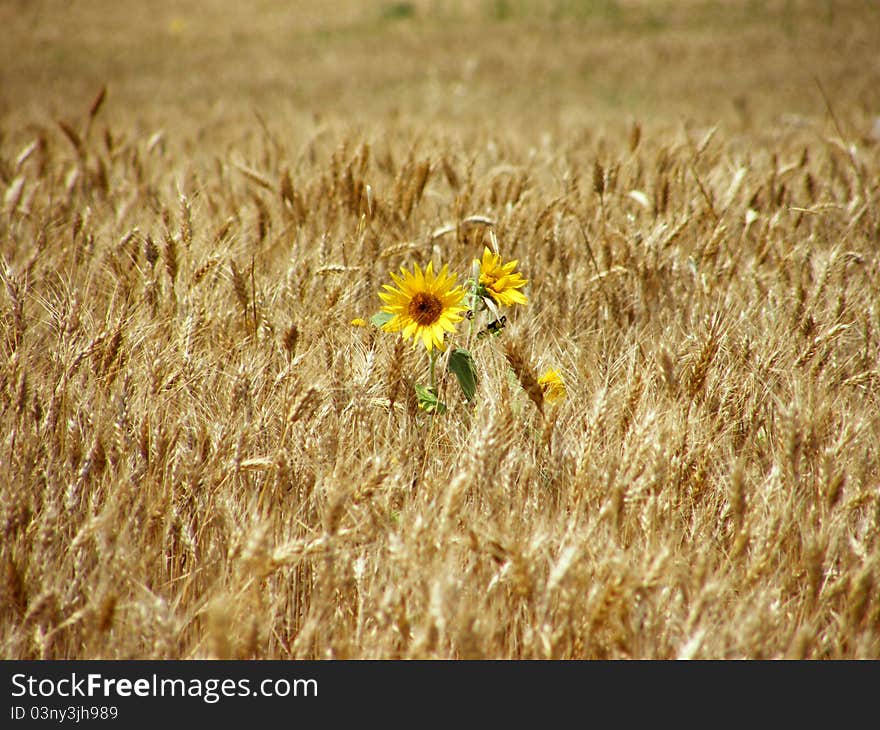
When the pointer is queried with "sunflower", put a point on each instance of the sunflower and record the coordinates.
(500, 280)
(553, 386)
(424, 305)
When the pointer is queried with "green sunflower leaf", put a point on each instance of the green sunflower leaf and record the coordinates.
(380, 318)
(462, 365)
(428, 401)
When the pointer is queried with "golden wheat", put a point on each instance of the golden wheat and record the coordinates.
(201, 457)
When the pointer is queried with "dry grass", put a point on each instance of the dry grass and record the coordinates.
(201, 457)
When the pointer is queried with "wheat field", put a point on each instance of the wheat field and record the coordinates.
(203, 457)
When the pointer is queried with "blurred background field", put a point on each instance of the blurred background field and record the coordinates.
(508, 62)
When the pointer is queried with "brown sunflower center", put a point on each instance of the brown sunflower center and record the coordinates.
(425, 308)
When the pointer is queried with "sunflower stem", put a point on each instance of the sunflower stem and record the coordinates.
(472, 307)
(433, 356)
(472, 299)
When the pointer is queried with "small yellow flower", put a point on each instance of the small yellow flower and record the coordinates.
(553, 386)
(500, 280)
(425, 305)
(177, 26)
(358, 322)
